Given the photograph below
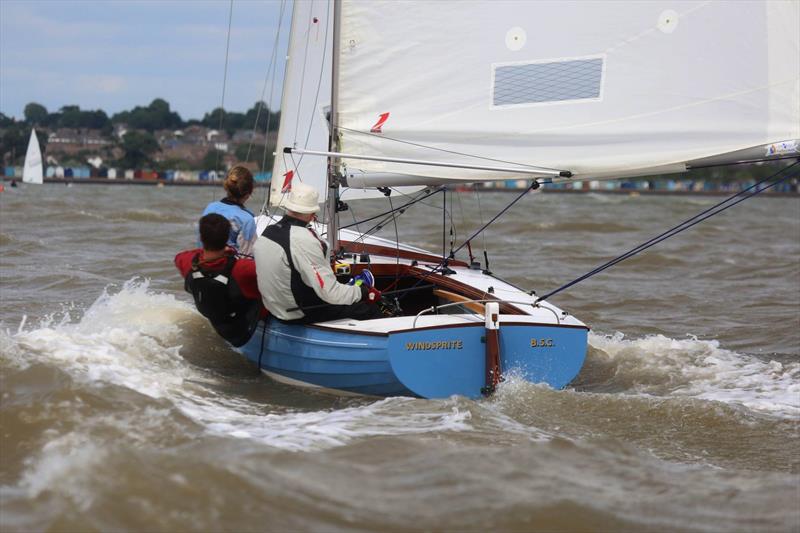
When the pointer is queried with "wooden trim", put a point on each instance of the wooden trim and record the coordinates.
(443, 326)
(568, 326)
(456, 298)
(388, 251)
(482, 324)
(465, 290)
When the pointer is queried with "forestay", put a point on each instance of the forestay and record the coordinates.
(602, 89)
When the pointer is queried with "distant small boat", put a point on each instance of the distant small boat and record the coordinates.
(33, 161)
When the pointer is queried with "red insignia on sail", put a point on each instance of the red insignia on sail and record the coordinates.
(378, 125)
(287, 181)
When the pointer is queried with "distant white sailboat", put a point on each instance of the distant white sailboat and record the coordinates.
(33, 161)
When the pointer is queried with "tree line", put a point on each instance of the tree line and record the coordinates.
(137, 145)
(156, 116)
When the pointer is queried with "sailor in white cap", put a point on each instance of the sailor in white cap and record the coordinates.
(294, 271)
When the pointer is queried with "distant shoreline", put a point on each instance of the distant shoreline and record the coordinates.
(628, 192)
(106, 181)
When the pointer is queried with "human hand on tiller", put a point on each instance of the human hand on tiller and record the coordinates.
(371, 295)
(365, 278)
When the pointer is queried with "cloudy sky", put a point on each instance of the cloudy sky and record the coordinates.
(116, 54)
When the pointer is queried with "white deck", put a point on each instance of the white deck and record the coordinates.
(545, 313)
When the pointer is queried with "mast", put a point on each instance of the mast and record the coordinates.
(333, 140)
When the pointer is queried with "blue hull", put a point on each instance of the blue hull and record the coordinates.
(428, 362)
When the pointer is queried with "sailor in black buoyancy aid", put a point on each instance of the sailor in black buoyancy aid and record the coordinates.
(223, 286)
(295, 276)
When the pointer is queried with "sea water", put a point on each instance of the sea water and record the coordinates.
(120, 409)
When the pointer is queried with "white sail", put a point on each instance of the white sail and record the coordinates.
(32, 173)
(305, 104)
(306, 95)
(601, 89)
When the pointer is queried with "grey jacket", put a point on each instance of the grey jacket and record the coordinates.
(293, 270)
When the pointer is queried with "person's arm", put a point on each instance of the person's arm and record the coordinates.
(247, 235)
(316, 272)
(244, 272)
(183, 261)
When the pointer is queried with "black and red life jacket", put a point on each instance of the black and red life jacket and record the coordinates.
(219, 299)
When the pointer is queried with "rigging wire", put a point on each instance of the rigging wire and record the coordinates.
(302, 84)
(271, 74)
(443, 263)
(396, 240)
(319, 80)
(379, 226)
(480, 215)
(224, 83)
(423, 194)
(683, 226)
(454, 152)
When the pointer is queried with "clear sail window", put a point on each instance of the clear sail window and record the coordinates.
(554, 81)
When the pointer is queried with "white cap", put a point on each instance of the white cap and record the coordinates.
(302, 199)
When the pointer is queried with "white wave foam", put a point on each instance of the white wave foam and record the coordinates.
(307, 431)
(64, 465)
(660, 366)
(127, 339)
(131, 339)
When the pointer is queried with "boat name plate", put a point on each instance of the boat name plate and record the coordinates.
(436, 345)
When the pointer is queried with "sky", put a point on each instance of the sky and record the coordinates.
(116, 54)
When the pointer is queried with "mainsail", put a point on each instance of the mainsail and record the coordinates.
(601, 89)
(32, 173)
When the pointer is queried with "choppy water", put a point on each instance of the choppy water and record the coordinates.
(121, 410)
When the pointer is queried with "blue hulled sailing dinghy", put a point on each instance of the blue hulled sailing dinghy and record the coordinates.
(406, 98)
(448, 341)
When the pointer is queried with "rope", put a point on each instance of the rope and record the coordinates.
(429, 193)
(261, 350)
(533, 185)
(480, 215)
(319, 81)
(686, 224)
(267, 190)
(418, 145)
(268, 77)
